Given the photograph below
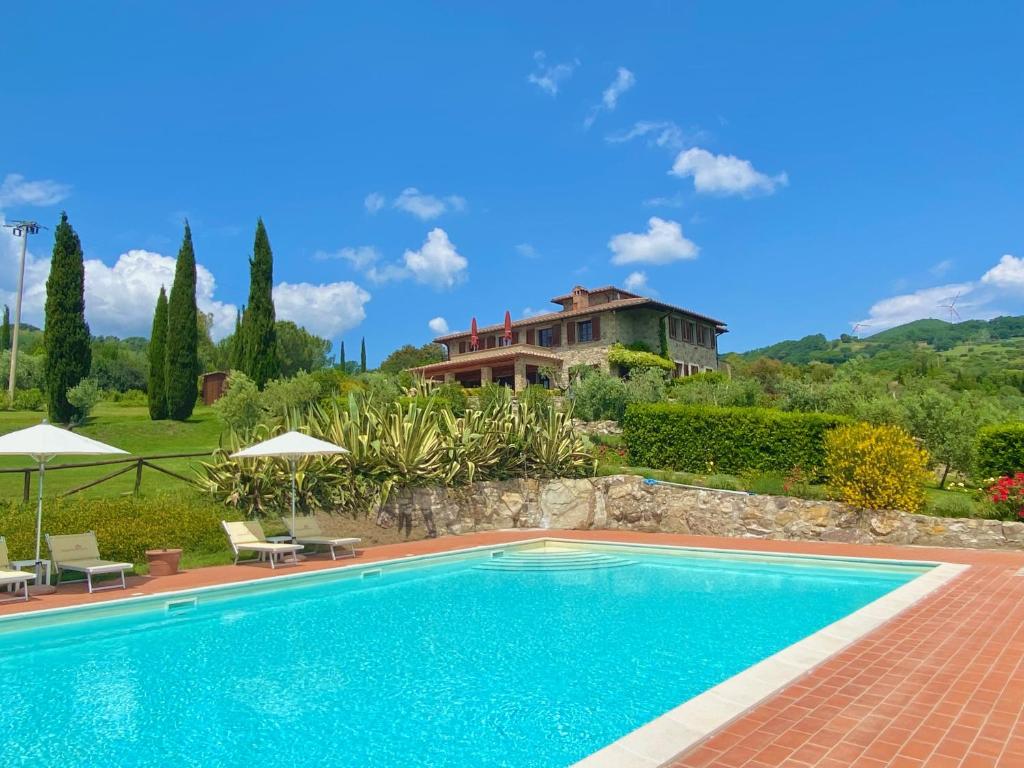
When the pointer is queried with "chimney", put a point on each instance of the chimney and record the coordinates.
(580, 297)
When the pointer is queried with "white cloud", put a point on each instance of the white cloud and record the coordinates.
(361, 257)
(17, 190)
(549, 77)
(374, 202)
(675, 201)
(663, 243)
(942, 267)
(387, 273)
(426, 207)
(659, 133)
(527, 251)
(998, 291)
(327, 309)
(636, 281)
(624, 80)
(724, 174)
(119, 299)
(437, 262)
(897, 310)
(438, 325)
(1007, 274)
(531, 312)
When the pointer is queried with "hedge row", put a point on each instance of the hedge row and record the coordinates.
(1001, 450)
(125, 527)
(701, 439)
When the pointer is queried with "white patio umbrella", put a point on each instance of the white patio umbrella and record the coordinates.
(291, 446)
(42, 442)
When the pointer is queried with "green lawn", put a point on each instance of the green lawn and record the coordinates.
(128, 428)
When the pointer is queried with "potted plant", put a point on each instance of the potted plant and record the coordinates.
(164, 561)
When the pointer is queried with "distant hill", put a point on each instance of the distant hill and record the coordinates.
(971, 349)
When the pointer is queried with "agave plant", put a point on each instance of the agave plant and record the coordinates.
(556, 450)
(394, 447)
(261, 487)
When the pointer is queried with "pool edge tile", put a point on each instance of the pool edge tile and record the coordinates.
(732, 698)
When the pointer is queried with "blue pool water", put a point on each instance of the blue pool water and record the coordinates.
(442, 665)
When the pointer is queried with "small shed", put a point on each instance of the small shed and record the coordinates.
(213, 386)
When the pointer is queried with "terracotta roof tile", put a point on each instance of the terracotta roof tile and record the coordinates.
(607, 306)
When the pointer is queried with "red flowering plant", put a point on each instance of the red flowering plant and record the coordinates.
(1007, 494)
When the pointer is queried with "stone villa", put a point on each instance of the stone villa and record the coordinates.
(542, 349)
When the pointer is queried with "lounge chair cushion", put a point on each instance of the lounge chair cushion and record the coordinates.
(268, 546)
(326, 540)
(307, 529)
(94, 565)
(249, 536)
(15, 577)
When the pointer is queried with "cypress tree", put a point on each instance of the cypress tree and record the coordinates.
(182, 355)
(235, 361)
(66, 334)
(341, 355)
(5, 330)
(362, 355)
(260, 361)
(157, 385)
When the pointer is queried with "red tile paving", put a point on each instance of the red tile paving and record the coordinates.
(940, 685)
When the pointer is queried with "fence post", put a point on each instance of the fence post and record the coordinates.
(138, 476)
(28, 486)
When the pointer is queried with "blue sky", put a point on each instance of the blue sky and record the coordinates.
(788, 168)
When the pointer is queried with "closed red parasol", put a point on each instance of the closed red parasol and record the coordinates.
(474, 340)
(508, 327)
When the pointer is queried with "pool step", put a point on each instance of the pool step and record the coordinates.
(558, 560)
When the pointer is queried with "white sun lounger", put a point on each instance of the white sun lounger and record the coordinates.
(10, 577)
(248, 537)
(80, 553)
(307, 531)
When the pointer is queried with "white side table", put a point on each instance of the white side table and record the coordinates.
(285, 539)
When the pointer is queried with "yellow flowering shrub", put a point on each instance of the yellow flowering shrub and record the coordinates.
(875, 467)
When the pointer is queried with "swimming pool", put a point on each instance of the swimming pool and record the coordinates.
(525, 656)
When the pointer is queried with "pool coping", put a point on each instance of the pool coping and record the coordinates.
(657, 742)
(668, 735)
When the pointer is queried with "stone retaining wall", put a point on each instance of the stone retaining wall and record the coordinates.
(627, 502)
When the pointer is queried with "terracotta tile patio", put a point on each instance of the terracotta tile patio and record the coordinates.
(940, 685)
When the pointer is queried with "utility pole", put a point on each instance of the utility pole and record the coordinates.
(22, 229)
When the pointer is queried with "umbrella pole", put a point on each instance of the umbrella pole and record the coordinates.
(39, 523)
(294, 469)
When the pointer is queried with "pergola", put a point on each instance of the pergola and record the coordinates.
(516, 366)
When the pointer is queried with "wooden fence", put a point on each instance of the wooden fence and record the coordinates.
(132, 462)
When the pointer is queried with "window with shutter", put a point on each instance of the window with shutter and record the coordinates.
(462, 347)
(585, 330)
(570, 333)
(530, 336)
(490, 342)
(556, 336)
(515, 337)
(595, 328)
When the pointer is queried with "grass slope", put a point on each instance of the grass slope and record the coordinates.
(128, 428)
